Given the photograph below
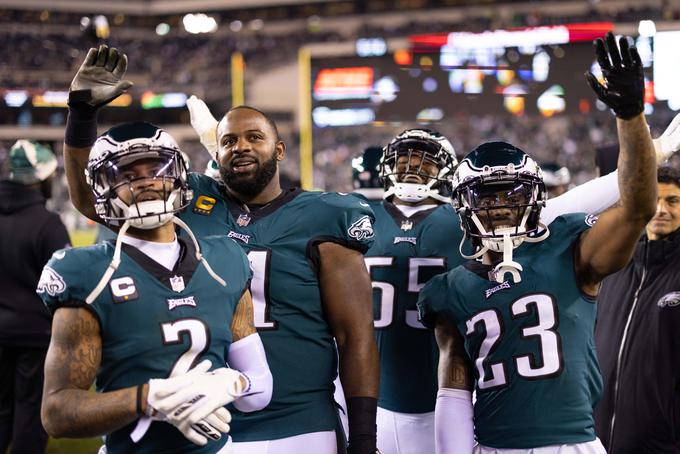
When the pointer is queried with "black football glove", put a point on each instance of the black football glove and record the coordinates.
(99, 79)
(624, 89)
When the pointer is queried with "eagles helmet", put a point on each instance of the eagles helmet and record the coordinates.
(434, 149)
(366, 173)
(110, 157)
(498, 192)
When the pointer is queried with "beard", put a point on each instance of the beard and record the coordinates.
(252, 184)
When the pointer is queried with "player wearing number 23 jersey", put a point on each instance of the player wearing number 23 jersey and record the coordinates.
(279, 239)
(527, 340)
(522, 318)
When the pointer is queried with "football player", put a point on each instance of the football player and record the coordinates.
(418, 236)
(149, 314)
(522, 318)
(309, 286)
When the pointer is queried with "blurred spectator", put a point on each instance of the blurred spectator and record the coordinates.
(29, 234)
(636, 337)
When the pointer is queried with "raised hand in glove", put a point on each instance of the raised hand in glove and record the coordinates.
(99, 79)
(624, 87)
(204, 124)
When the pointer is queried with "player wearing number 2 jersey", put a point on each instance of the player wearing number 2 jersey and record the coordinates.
(524, 316)
(140, 313)
(310, 280)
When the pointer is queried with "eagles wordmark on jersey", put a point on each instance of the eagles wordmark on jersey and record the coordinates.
(531, 343)
(154, 323)
(280, 240)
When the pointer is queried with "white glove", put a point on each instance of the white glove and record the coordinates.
(166, 394)
(168, 400)
(211, 427)
(204, 124)
(668, 142)
(213, 391)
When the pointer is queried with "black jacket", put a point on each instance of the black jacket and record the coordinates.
(644, 394)
(29, 234)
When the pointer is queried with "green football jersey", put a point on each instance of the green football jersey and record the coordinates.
(531, 343)
(279, 239)
(406, 253)
(154, 323)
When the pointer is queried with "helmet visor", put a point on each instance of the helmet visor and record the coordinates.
(500, 206)
(124, 168)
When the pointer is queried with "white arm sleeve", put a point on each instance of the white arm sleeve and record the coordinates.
(247, 356)
(592, 197)
(453, 422)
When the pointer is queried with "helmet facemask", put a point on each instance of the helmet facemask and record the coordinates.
(418, 153)
(136, 172)
(500, 208)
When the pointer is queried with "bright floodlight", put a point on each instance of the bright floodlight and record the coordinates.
(199, 23)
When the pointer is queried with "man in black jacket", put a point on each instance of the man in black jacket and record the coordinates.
(29, 234)
(638, 341)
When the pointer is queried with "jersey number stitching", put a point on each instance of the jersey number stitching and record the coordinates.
(550, 364)
(387, 292)
(259, 264)
(198, 335)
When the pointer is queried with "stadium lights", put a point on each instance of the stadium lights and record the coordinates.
(15, 98)
(162, 29)
(199, 23)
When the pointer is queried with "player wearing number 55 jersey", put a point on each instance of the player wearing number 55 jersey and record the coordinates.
(523, 319)
(141, 313)
(310, 284)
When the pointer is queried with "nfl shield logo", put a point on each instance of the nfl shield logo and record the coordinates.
(177, 283)
(406, 225)
(243, 220)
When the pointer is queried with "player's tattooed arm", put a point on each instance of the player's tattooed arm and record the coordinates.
(609, 245)
(454, 369)
(243, 325)
(75, 163)
(69, 408)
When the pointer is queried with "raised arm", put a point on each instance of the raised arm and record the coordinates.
(347, 299)
(99, 80)
(453, 414)
(609, 245)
